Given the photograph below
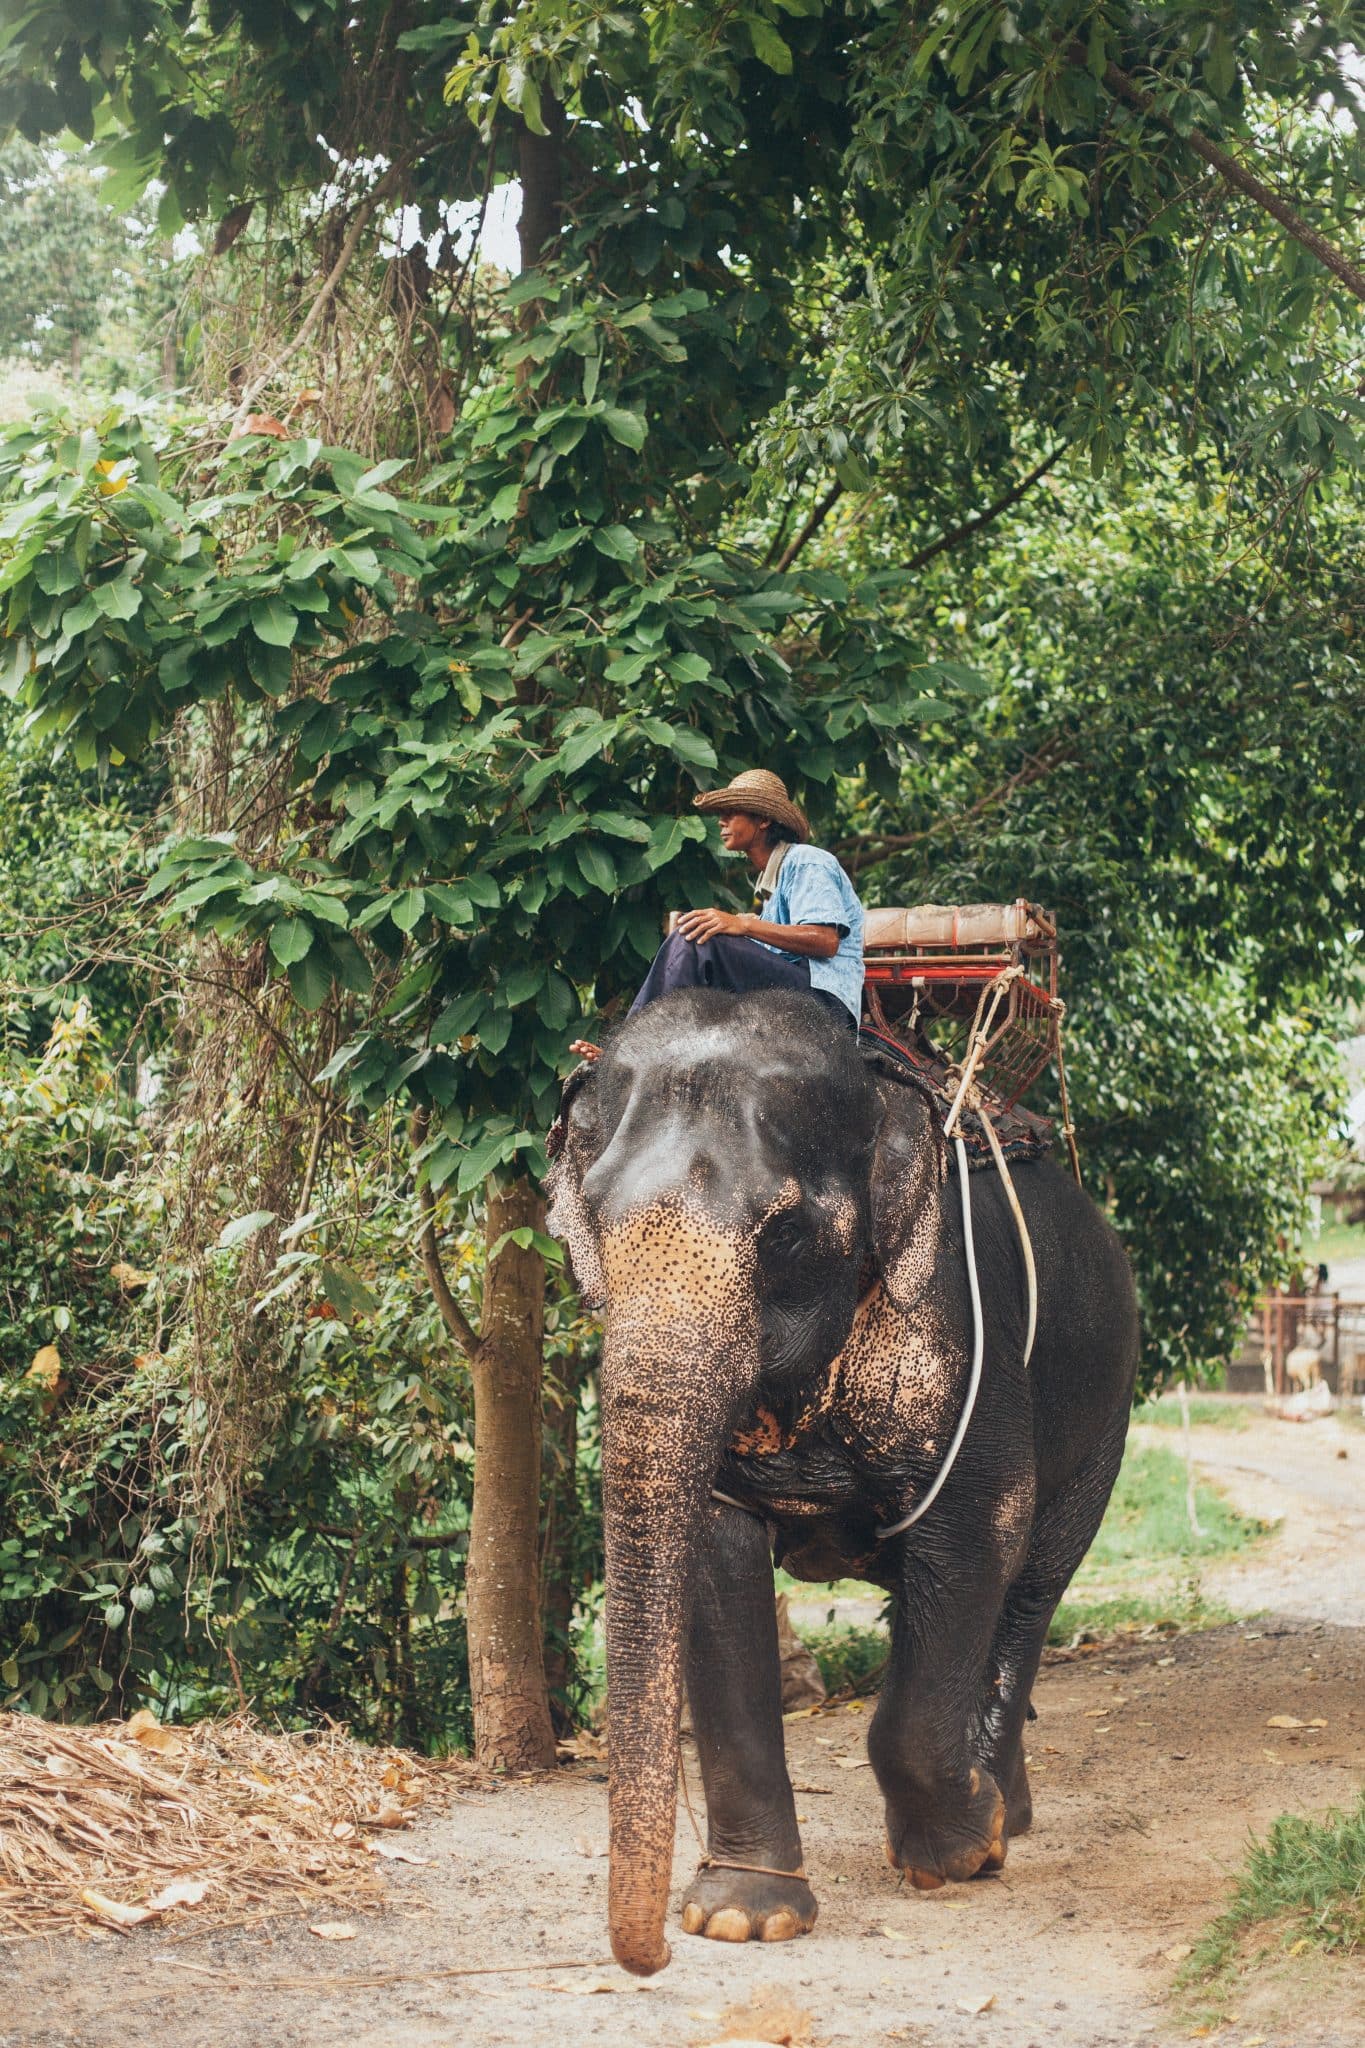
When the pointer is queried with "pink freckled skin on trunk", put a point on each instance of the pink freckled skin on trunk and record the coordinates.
(680, 1353)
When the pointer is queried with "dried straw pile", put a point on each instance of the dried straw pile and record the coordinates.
(125, 1822)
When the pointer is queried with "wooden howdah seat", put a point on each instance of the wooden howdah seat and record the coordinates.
(989, 965)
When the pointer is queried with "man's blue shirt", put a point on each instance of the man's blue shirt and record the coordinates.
(812, 888)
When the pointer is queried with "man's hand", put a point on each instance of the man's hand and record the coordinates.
(698, 925)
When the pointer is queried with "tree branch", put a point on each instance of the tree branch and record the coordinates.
(452, 1315)
(1233, 173)
(857, 854)
(811, 527)
(957, 534)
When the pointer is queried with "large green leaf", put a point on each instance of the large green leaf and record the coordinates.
(274, 622)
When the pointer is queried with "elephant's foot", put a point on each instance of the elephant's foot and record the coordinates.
(747, 1905)
(952, 1846)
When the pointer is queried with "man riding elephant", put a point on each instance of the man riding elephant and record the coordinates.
(805, 933)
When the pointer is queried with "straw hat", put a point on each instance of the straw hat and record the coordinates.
(759, 794)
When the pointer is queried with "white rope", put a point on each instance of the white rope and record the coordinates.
(1025, 1241)
(976, 1043)
(978, 1345)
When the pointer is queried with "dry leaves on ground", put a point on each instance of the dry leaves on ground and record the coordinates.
(123, 1822)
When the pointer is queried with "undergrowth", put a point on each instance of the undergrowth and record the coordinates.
(847, 1657)
(1302, 1886)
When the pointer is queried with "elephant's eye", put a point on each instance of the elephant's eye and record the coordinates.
(786, 1237)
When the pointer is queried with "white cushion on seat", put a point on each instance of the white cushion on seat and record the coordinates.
(946, 926)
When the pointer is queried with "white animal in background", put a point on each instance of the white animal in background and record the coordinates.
(1303, 1365)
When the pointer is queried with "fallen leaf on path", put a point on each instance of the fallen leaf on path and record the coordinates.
(852, 1763)
(184, 1891)
(1259, 2040)
(976, 2005)
(588, 1848)
(1179, 1953)
(343, 1830)
(1301, 1946)
(113, 1913)
(388, 1814)
(767, 2018)
(894, 1933)
(333, 1930)
(1284, 1721)
(595, 1987)
(395, 1852)
(825, 1791)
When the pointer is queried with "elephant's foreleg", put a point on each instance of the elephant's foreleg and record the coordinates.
(734, 1689)
(945, 1812)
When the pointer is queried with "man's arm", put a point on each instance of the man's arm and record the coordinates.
(810, 941)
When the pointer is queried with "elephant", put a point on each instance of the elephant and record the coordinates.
(772, 1224)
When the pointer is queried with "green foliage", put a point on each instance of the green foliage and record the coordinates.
(848, 1657)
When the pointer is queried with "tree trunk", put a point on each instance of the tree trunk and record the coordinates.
(506, 1673)
(559, 1531)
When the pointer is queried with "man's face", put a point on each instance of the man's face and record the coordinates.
(739, 832)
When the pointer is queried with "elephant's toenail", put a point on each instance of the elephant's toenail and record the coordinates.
(926, 1880)
(779, 1926)
(693, 1919)
(731, 1923)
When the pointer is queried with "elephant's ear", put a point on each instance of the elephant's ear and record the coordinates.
(572, 1148)
(909, 1166)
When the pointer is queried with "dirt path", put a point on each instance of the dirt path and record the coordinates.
(1308, 1479)
(1150, 1763)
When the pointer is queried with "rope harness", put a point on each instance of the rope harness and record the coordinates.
(969, 1096)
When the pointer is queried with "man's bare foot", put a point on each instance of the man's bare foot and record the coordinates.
(585, 1049)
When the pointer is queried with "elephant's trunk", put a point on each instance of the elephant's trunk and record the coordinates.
(671, 1388)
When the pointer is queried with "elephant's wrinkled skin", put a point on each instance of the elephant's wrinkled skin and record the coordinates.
(776, 1236)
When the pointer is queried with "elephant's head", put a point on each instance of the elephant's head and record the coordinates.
(733, 1177)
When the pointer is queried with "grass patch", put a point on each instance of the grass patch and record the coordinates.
(1337, 1241)
(1207, 1414)
(1137, 1614)
(1147, 1520)
(1302, 1886)
(1142, 1570)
